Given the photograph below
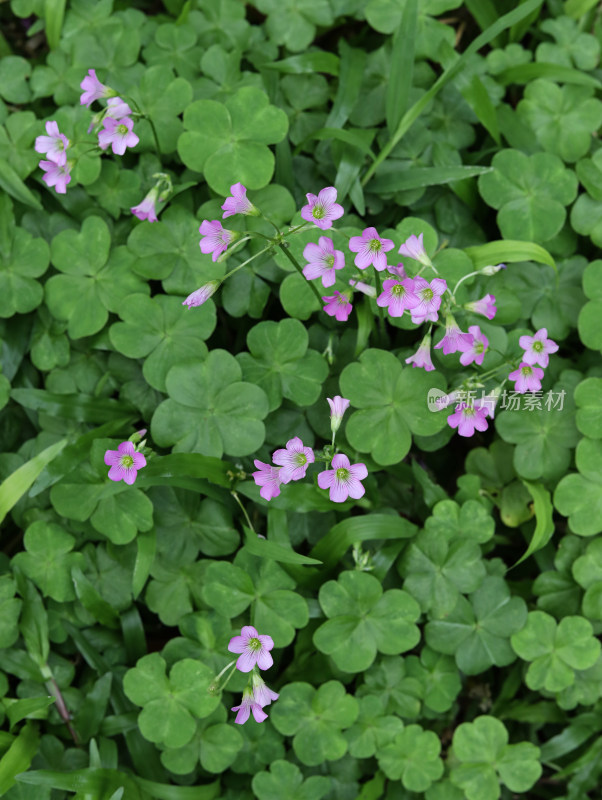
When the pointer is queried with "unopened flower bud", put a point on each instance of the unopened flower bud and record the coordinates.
(338, 406)
(491, 270)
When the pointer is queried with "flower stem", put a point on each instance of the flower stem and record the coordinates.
(272, 223)
(244, 263)
(244, 510)
(297, 266)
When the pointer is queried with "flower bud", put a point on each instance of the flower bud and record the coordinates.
(491, 270)
(338, 406)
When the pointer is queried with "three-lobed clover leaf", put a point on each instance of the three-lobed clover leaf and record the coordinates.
(578, 495)
(229, 142)
(572, 45)
(280, 363)
(363, 620)
(163, 99)
(170, 705)
(392, 405)
(389, 679)
(10, 610)
(315, 718)
(587, 571)
(293, 22)
(530, 193)
(285, 780)
(159, 330)
(438, 677)
(588, 398)
(210, 409)
(589, 316)
(413, 757)
(555, 650)
(470, 521)
(486, 760)
(477, 632)
(373, 727)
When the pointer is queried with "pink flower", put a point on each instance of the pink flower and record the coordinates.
(370, 249)
(446, 400)
(56, 176)
(238, 202)
(117, 133)
(488, 402)
(268, 477)
(397, 296)
(215, 239)
(413, 248)
(249, 704)
(338, 406)
(323, 260)
(484, 306)
(454, 339)
(322, 209)
(294, 460)
(254, 649)
(344, 479)
(201, 295)
(146, 209)
(338, 306)
(474, 350)
(262, 694)
(54, 145)
(398, 271)
(537, 348)
(93, 89)
(124, 462)
(467, 419)
(362, 287)
(422, 356)
(117, 108)
(429, 296)
(527, 377)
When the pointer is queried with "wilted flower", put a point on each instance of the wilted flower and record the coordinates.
(344, 479)
(124, 462)
(201, 295)
(254, 649)
(238, 203)
(268, 477)
(454, 339)
(215, 238)
(54, 145)
(117, 133)
(93, 89)
(146, 209)
(527, 377)
(422, 356)
(474, 350)
(537, 348)
(429, 296)
(338, 406)
(414, 248)
(370, 249)
(397, 296)
(322, 209)
(467, 419)
(338, 306)
(323, 260)
(294, 460)
(249, 704)
(56, 176)
(484, 306)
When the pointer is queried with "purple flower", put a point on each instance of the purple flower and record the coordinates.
(398, 271)
(475, 350)
(254, 649)
(488, 402)
(268, 477)
(117, 133)
(370, 249)
(262, 694)
(413, 248)
(215, 239)
(344, 479)
(93, 89)
(117, 108)
(238, 203)
(323, 260)
(429, 296)
(146, 209)
(124, 462)
(454, 339)
(537, 348)
(54, 145)
(484, 306)
(468, 419)
(294, 460)
(249, 704)
(338, 406)
(446, 400)
(338, 306)
(422, 356)
(322, 209)
(201, 295)
(397, 296)
(56, 176)
(362, 287)
(527, 377)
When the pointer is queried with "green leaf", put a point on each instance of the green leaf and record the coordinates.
(22, 259)
(14, 487)
(395, 177)
(286, 780)
(505, 251)
(402, 66)
(413, 756)
(332, 547)
(579, 496)
(293, 22)
(12, 184)
(525, 73)
(54, 13)
(76, 407)
(544, 522)
(307, 63)
(470, 521)
(220, 745)
(271, 550)
(10, 610)
(588, 397)
(34, 707)
(18, 757)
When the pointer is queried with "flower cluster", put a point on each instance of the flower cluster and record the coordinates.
(254, 650)
(536, 355)
(56, 167)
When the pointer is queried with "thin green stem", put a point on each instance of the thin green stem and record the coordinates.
(297, 266)
(152, 124)
(272, 223)
(244, 263)
(244, 510)
(296, 229)
(381, 318)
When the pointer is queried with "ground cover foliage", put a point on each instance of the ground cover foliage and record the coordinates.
(437, 637)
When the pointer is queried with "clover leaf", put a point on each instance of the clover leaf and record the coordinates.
(172, 589)
(572, 45)
(10, 610)
(562, 118)
(530, 193)
(22, 259)
(163, 98)
(586, 690)
(228, 142)
(486, 759)
(315, 717)
(210, 410)
(588, 398)
(115, 189)
(587, 571)
(477, 632)
(589, 317)
(159, 330)
(579, 495)
(281, 364)
(389, 679)
(364, 620)
(372, 728)
(555, 650)
(471, 521)
(392, 403)
(286, 780)
(293, 22)
(170, 704)
(436, 571)
(438, 676)
(413, 756)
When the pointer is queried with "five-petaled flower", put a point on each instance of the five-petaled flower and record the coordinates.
(254, 649)
(429, 296)
(293, 461)
(343, 479)
(238, 202)
(56, 176)
(118, 133)
(454, 338)
(54, 146)
(338, 406)
(323, 260)
(484, 306)
(527, 377)
(338, 306)
(124, 462)
(268, 477)
(468, 419)
(146, 209)
(93, 89)
(322, 209)
(215, 238)
(422, 356)
(414, 248)
(397, 296)
(371, 249)
(537, 348)
(201, 295)
(474, 350)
